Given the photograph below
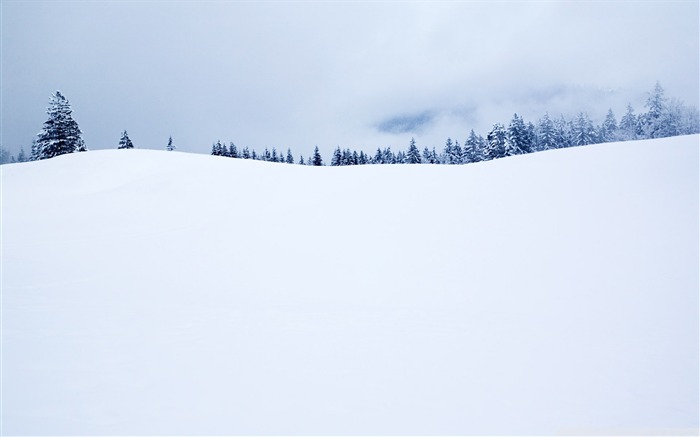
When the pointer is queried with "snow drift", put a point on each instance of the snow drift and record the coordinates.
(148, 292)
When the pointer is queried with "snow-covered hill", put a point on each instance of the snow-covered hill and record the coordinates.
(147, 292)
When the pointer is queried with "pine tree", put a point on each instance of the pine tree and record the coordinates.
(445, 158)
(21, 156)
(456, 155)
(388, 156)
(125, 141)
(628, 124)
(362, 159)
(290, 157)
(337, 158)
(563, 133)
(472, 151)
(608, 130)
(654, 121)
(413, 155)
(516, 137)
(170, 147)
(496, 142)
(317, 160)
(4, 155)
(60, 134)
(301, 160)
(583, 132)
(233, 150)
(378, 157)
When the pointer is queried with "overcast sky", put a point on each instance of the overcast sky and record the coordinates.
(350, 74)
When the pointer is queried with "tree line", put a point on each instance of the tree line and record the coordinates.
(664, 118)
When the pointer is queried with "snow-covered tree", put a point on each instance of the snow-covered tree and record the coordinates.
(413, 154)
(170, 147)
(290, 157)
(337, 157)
(496, 142)
(628, 124)
(4, 155)
(473, 148)
(608, 130)
(547, 135)
(654, 121)
(563, 132)
(517, 140)
(233, 151)
(316, 160)
(583, 132)
(60, 134)
(125, 142)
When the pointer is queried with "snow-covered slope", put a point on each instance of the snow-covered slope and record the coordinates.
(148, 292)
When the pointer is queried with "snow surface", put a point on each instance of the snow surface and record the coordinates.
(151, 292)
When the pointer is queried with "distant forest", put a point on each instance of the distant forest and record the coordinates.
(664, 117)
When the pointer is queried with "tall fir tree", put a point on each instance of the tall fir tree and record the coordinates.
(60, 134)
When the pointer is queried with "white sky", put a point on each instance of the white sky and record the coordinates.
(300, 74)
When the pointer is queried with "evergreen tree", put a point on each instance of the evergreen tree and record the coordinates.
(456, 155)
(4, 155)
(170, 147)
(60, 133)
(337, 158)
(446, 157)
(21, 157)
(378, 157)
(654, 121)
(245, 154)
(413, 155)
(469, 152)
(290, 157)
(563, 133)
(317, 160)
(388, 156)
(34, 154)
(233, 151)
(547, 137)
(125, 142)
(224, 150)
(400, 157)
(516, 137)
(301, 160)
(628, 124)
(496, 142)
(608, 130)
(363, 159)
(583, 133)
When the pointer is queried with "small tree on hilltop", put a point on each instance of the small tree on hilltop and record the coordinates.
(125, 142)
(170, 147)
